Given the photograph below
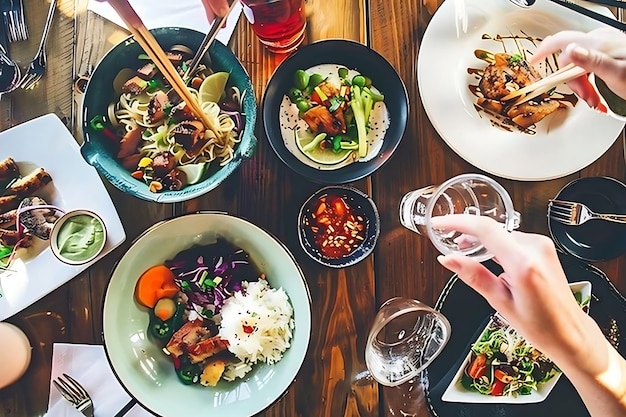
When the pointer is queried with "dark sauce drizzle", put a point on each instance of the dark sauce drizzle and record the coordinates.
(549, 65)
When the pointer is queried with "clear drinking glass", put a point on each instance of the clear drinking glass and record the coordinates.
(279, 24)
(464, 194)
(405, 338)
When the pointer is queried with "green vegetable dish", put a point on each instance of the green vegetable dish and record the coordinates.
(332, 116)
(502, 363)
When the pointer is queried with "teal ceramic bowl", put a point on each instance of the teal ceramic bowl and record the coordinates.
(99, 93)
(147, 373)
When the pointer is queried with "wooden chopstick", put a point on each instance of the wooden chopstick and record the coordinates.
(150, 45)
(568, 72)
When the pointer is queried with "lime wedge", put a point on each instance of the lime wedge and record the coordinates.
(319, 155)
(194, 172)
(213, 87)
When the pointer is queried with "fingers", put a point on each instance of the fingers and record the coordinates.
(215, 8)
(474, 274)
(555, 43)
(491, 234)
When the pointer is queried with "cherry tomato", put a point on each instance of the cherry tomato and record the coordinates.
(498, 388)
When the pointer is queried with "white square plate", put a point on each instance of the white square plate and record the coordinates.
(457, 393)
(45, 142)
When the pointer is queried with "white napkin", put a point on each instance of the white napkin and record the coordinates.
(88, 365)
(180, 13)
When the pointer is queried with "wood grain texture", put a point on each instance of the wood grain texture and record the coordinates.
(333, 380)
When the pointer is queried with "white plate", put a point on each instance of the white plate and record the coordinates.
(563, 143)
(457, 393)
(46, 142)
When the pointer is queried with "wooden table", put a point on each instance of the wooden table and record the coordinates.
(267, 193)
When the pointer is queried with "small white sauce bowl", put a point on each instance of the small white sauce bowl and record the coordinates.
(58, 225)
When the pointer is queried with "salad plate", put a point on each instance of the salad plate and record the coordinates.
(45, 142)
(458, 390)
(140, 364)
(554, 147)
(469, 313)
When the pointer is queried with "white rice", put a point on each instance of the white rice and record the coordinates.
(258, 326)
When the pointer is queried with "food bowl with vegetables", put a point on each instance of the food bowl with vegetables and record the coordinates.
(335, 111)
(338, 226)
(207, 308)
(502, 367)
(146, 141)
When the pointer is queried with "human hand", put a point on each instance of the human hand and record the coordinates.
(601, 51)
(215, 8)
(532, 293)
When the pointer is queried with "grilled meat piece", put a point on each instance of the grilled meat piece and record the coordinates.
(30, 183)
(531, 112)
(189, 132)
(506, 74)
(8, 219)
(135, 86)
(206, 348)
(147, 71)
(320, 120)
(9, 237)
(8, 202)
(129, 143)
(177, 345)
(8, 169)
(156, 107)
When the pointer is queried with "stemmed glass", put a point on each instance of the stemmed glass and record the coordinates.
(405, 338)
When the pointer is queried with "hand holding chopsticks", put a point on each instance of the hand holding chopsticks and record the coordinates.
(150, 45)
(601, 51)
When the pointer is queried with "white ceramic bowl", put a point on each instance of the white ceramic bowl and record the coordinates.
(140, 365)
(457, 393)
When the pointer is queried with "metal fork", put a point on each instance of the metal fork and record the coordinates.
(13, 15)
(37, 66)
(72, 391)
(574, 214)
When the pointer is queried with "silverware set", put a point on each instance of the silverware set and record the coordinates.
(13, 18)
(574, 214)
(12, 29)
(73, 392)
(37, 66)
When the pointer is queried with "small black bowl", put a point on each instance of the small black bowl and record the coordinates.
(362, 207)
(354, 56)
(595, 240)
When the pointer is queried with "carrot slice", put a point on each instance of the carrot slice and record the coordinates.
(155, 283)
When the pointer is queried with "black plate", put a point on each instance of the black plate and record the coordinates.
(354, 56)
(596, 240)
(468, 313)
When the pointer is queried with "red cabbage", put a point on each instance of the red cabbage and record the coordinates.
(209, 274)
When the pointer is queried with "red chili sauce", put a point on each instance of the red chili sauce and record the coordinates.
(337, 230)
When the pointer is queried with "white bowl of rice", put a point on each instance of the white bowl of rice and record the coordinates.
(266, 322)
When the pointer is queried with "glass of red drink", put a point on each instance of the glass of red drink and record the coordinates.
(279, 24)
